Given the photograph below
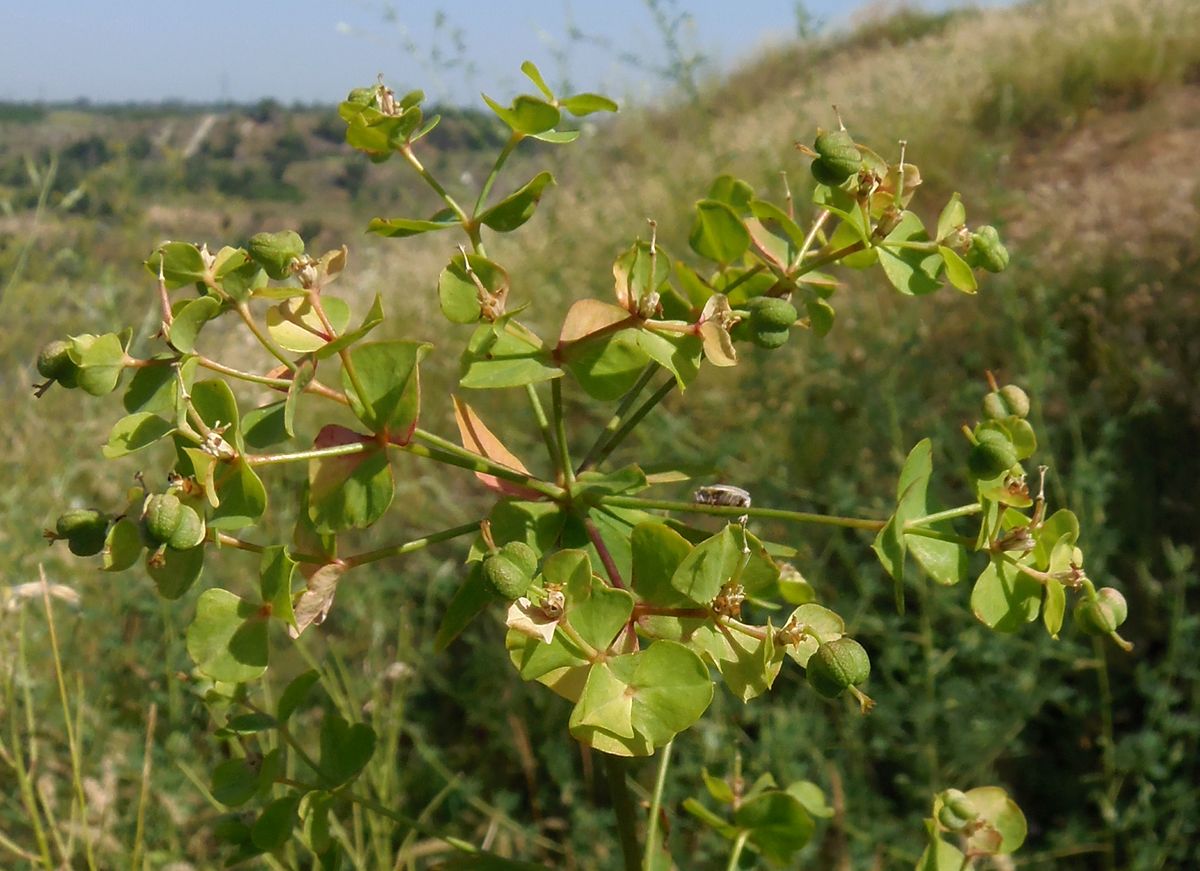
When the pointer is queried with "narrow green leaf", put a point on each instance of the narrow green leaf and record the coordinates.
(580, 105)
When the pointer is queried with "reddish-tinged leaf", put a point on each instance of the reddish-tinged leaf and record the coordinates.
(312, 605)
(587, 316)
(476, 437)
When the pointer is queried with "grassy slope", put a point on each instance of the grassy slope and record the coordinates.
(1068, 124)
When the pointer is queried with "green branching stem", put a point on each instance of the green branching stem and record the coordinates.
(440, 449)
(501, 159)
(610, 565)
(312, 454)
(314, 300)
(735, 511)
(384, 811)
(916, 526)
(543, 423)
(572, 634)
(68, 723)
(831, 257)
(660, 780)
(409, 546)
(407, 153)
(614, 423)
(275, 351)
(634, 419)
(560, 426)
(618, 787)
(736, 853)
(222, 539)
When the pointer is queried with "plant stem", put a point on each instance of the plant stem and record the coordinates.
(831, 257)
(384, 811)
(407, 153)
(634, 419)
(543, 423)
(560, 425)
(622, 801)
(410, 546)
(614, 423)
(314, 300)
(144, 796)
(209, 363)
(312, 454)
(737, 849)
(243, 311)
(610, 565)
(72, 738)
(501, 158)
(948, 514)
(448, 452)
(734, 511)
(812, 236)
(660, 780)
(225, 540)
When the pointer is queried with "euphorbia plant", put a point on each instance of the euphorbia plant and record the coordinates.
(611, 599)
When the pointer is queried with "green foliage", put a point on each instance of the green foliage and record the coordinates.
(750, 366)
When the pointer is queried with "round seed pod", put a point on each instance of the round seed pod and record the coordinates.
(54, 362)
(768, 313)
(987, 251)
(522, 555)
(84, 529)
(274, 252)
(189, 532)
(161, 516)
(957, 811)
(509, 571)
(992, 455)
(1114, 604)
(1010, 400)
(838, 156)
(505, 578)
(768, 324)
(837, 665)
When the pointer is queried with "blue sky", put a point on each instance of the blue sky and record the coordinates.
(316, 50)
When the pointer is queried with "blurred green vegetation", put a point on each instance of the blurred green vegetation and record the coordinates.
(1070, 124)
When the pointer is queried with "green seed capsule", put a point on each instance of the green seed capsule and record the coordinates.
(837, 665)
(505, 578)
(274, 252)
(1114, 604)
(161, 516)
(987, 251)
(54, 362)
(190, 530)
(993, 455)
(957, 811)
(520, 554)
(84, 529)
(838, 156)
(1008, 401)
